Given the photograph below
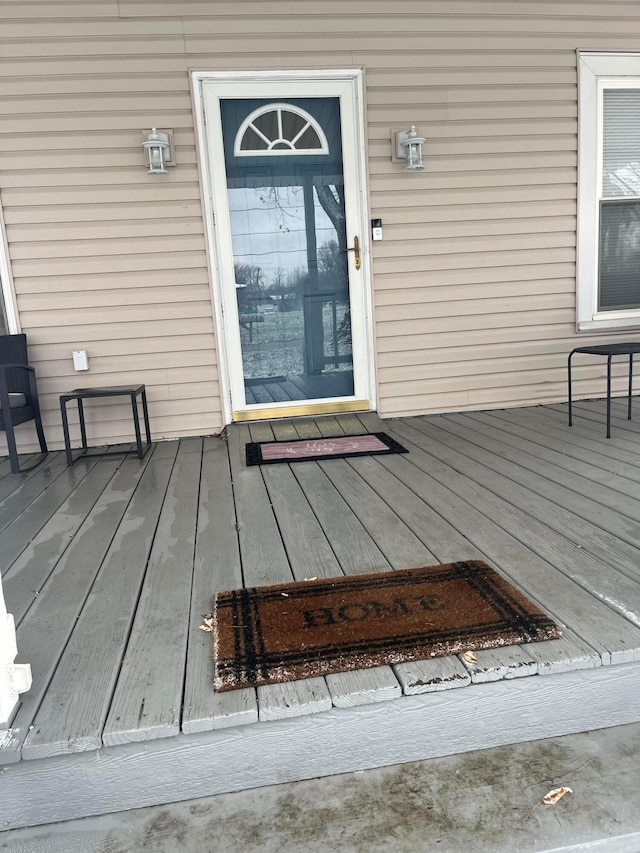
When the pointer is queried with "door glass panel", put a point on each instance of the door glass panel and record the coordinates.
(288, 236)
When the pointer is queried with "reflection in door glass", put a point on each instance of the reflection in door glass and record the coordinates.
(288, 234)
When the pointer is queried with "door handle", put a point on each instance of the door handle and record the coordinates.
(356, 250)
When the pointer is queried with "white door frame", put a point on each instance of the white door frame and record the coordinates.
(213, 176)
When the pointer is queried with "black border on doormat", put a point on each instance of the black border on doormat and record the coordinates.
(254, 449)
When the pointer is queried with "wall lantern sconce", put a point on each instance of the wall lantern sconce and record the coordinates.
(158, 150)
(409, 148)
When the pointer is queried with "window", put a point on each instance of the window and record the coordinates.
(608, 295)
(280, 129)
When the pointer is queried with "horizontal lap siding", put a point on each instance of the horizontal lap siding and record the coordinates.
(106, 258)
(474, 282)
(485, 281)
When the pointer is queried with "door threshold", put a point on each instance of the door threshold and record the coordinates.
(273, 412)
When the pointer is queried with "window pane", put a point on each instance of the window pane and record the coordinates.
(288, 230)
(251, 141)
(619, 255)
(621, 143)
(309, 140)
(267, 123)
(292, 124)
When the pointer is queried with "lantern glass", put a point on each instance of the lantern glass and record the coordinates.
(409, 148)
(157, 148)
(414, 158)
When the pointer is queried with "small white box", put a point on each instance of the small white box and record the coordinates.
(80, 360)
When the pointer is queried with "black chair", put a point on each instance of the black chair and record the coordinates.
(18, 396)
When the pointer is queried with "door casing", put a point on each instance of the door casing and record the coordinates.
(349, 84)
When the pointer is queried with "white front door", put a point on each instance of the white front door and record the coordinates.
(285, 169)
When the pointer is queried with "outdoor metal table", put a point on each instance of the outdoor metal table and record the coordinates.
(608, 350)
(80, 394)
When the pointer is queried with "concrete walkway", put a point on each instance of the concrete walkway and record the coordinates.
(479, 802)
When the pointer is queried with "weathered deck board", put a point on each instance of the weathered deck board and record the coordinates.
(19, 491)
(606, 582)
(25, 513)
(371, 421)
(554, 509)
(259, 431)
(586, 424)
(70, 720)
(307, 428)
(265, 561)
(307, 546)
(329, 426)
(5, 466)
(311, 555)
(352, 424)
(616, 465)
(26, 576)
(409, 493)
(557, 466)
(216, 567)
(293, 699)
(400, 546)
(521, 488)
(593, 412)
(363, 687)
(147, 700)
(411, 499)
(492, 486)
(615, 638)
(357, 553)
(496, 664)
(284, 430)
(10, 483)
(59, 605)
(432, 676)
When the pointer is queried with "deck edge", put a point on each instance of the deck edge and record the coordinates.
(410, 728)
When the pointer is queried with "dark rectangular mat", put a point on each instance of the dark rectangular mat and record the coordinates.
(264, 635)
(306, 449)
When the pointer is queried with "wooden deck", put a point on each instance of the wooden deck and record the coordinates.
(109, 566)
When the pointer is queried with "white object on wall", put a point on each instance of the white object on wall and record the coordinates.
(80, 360)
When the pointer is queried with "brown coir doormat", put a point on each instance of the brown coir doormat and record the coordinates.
(264, 635)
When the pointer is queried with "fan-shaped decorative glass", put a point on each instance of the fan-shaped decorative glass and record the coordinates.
(277, 129)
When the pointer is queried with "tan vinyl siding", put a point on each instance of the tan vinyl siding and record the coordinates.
(474, 282)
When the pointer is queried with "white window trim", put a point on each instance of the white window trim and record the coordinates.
(595, 72)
